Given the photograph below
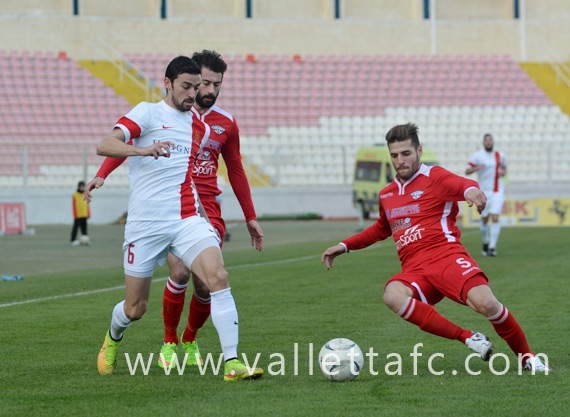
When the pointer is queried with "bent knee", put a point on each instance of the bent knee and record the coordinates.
(218, 279)
(200, 287)
(395, 298)
(135, 312)
(180, 274)
(489, 307)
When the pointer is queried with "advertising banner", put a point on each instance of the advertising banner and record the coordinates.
(534, 212)
(12, 218)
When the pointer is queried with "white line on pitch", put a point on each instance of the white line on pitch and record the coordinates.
(281, 261)
(55, 297)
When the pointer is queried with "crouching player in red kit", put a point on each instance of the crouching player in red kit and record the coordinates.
(419, 209)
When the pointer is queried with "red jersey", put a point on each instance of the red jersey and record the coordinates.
(224, 139)
(420, 214)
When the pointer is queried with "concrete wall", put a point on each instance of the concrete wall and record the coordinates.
(293, 9)
(54, 206)
(475, 9)
(37, 7)
(382, 9)
(267, 36)
(548, 9)
(205, 9)
(122, 8)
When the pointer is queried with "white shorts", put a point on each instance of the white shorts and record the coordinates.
(147, 243)
(494, 203)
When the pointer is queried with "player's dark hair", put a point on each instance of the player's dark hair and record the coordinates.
(79, 184)
(211, 60)
(181, 65)
(487, 134)
(401, 133)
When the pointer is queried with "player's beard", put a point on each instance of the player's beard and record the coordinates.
(489, 148)
(205, 105)
(181, 105)
(413, 169)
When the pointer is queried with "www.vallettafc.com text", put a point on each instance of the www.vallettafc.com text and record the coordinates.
(391, 365)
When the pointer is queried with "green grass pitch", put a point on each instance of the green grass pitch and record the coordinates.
(284, 296)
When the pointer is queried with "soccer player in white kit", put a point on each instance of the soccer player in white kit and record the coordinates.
(490, 166)
(164, 212)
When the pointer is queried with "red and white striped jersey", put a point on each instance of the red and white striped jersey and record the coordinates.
(420, 214)
(489, 177)
(161, 189)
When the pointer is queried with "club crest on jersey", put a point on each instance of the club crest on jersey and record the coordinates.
(416, 194)
(218, 129)
(197, 139)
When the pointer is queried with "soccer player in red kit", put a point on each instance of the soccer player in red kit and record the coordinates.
(419, 209)
(224, 140)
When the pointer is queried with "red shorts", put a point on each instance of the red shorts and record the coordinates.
(214, 212)
(450, 275)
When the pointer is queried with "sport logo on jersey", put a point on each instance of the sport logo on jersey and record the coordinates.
(218, 129)
(416, 194)
(412, 235)
(204, 168)
(382, 196)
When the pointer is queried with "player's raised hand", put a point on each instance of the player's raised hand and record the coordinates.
(96, 182)
(158, 149)
(256, 234)
(477, 197)
(328, 256)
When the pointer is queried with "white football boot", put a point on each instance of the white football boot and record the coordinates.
(480, 344)
(534, 365)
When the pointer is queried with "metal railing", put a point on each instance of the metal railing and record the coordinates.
(106, 52)
(550, 58)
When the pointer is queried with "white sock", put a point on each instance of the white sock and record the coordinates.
(119, 322)
(225, 319)
(485, 232)
(495, 232)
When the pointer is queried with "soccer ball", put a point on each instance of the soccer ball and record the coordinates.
(84, 240)
(341, 360)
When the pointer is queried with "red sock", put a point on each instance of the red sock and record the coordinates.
(429, 320)
(172, 306)
(507, 327)
(199, 313)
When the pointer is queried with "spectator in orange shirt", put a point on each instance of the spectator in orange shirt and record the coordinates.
(81, 213)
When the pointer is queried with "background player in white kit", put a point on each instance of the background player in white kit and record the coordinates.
(490, 166)
(163, 212)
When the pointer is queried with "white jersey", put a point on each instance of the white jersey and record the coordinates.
(161, 189)
(489, 177)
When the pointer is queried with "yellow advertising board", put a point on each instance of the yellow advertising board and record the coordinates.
(535, 212)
